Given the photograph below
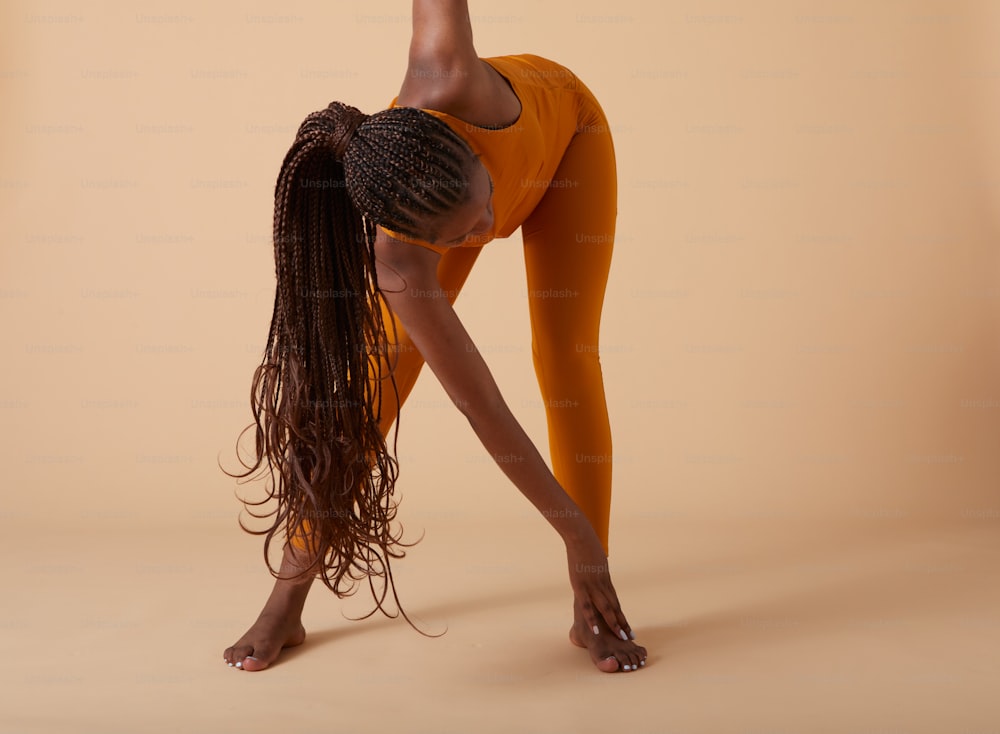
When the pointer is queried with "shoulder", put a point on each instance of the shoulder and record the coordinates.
(471, 91)
(436, 82)
(398, 262)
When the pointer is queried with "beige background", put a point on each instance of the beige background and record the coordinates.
(801, 345)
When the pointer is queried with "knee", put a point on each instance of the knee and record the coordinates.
(561, 358)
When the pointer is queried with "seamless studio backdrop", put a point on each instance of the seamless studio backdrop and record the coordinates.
(800, 346)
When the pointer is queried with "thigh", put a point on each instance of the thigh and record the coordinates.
(568, 241)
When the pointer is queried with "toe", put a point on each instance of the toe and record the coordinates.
(259, 657)
(236, 653)
(252, 663)
(608, 664)
(642, 656)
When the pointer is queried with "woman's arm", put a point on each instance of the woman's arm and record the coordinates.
(407, 275)
(442, 34)
(445, 73)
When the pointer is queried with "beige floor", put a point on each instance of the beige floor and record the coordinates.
(752, 625)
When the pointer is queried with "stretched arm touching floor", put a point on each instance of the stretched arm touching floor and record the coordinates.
(408, 278)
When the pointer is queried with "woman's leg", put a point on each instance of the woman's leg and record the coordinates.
(568, 242)
(567, 252)
(279, 624)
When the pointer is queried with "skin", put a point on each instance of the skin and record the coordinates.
(444, 73)
(470, 221)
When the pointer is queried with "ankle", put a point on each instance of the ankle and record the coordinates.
(286, 600)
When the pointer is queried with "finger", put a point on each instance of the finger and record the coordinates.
(590, 615)
(613, 615)
(622, 620)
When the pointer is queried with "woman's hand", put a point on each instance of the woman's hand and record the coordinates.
(590, 578)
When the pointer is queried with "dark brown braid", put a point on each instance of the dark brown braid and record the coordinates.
(316, 397)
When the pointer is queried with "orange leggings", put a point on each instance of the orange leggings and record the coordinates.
(568, 240)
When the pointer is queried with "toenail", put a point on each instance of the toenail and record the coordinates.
(621, 633)
(596, 630)
(642, 662)
(230, 665)
(251, 657)
(239, 665)
(631, 635)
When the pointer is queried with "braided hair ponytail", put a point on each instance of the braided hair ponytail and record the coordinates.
(316, 397)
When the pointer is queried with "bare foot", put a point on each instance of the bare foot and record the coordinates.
(279, 624)
(263, 642)
(608, 651)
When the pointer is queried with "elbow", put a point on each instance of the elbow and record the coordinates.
(482, 411)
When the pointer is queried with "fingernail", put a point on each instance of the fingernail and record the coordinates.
(596, 631)
(621, 633)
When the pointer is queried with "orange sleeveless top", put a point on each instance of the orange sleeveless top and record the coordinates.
(521, 157)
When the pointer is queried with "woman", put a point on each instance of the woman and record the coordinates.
(378, 221)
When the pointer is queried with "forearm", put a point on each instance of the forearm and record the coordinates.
(589, 574)
(516, 455)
